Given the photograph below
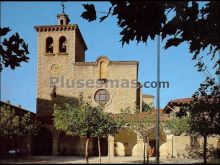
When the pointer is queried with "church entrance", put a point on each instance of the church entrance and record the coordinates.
(42, 143)
(152, 148)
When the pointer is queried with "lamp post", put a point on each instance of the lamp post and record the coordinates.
(158, 104)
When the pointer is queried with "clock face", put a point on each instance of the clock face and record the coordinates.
(55, 69)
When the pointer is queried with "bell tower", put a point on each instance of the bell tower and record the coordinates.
(58, 47)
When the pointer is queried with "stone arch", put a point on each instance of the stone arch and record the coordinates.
(103, 64)
(125, 142)
(49, 45)
(42, 144)
(152, 141)
(62, 44)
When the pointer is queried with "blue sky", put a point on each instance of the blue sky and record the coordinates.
(19, 85)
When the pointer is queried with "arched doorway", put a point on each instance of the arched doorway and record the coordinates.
(152, 142)
(125, 141)
(42, 143)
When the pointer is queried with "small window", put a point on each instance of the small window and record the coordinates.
(102, 96)
(103, 64)
(61, 22)
(54, 91)
(49, 45)
(62, 44)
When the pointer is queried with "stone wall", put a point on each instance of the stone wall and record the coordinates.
(175, 146)
(64, 69)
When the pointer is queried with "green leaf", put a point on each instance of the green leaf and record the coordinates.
(89, 13)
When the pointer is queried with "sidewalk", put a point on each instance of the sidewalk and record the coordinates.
(92, 160)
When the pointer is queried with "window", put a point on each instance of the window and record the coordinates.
(103, 64)
(62, 44)
(102, 96)
(61, 22)
(49, 45)
(54, 91)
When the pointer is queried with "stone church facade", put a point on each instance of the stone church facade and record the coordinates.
(61, 61)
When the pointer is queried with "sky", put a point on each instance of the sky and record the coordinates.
(19, 85)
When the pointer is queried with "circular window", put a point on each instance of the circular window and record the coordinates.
(102, 96)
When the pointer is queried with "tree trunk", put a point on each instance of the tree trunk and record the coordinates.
(1, 150)
(87, 150)
(144, 152)
(99, 148)
(147, 151)
(205, 149)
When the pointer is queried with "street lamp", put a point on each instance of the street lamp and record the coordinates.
(158, 104)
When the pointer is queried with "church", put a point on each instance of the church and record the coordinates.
(63, 74)
(61, 56)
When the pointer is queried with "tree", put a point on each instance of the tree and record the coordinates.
(13, 50)
(205, 112)
(197, 151)
(14, 127)
(84, 120)
(142, 122)
(175, 21)
(107, 125)
(178, 125)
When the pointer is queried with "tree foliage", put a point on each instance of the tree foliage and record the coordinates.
(143, 123)
(146, 107)
(205, 112)
(13, 50)
(14, 126)
(178, 22)
(175, 21)
(177, 125)
(197, 151)
(205, 109)
(84, 120)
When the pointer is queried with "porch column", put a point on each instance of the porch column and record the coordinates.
(28, 146)
(140, 146)
(110, 147)
(55, 144)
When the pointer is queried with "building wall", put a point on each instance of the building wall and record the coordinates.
(176, 145)
(125, 142)
(69, 70)
(45, 62)
(57, 76)
(120, 97)
(148, 100)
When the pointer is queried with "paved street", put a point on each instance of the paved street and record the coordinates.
(105, 160)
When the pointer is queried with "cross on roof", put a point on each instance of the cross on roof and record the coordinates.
(63, 6)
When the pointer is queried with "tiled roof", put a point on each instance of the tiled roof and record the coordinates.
(182, 101)
(177, 102)
(163, 116)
